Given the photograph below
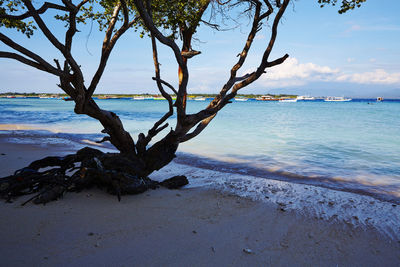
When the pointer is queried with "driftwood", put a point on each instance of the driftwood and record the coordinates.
(116, 173)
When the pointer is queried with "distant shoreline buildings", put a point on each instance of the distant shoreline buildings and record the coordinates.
(195, 97)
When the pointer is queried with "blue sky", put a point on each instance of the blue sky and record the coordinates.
(355, 54)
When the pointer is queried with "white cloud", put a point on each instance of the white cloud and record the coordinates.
(378, 76)
(292, 73)
(292, 69)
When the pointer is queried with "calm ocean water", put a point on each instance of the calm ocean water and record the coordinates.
(347, 145)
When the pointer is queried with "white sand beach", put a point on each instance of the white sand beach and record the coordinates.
(195, 225)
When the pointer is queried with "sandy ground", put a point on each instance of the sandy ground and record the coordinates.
(186, 227)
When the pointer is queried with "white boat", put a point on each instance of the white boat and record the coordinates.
(337, 99)
(305, 97)
(199, 99)
(241, 99)
(288, 100)
(138, 98)
(266, 98)
(379, 99)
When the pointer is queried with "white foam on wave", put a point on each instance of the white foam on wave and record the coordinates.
(327, 204)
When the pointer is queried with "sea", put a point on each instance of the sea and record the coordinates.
(349, 146)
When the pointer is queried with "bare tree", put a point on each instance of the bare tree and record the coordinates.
(182, 18)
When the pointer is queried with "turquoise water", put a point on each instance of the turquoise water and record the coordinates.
(353, 145)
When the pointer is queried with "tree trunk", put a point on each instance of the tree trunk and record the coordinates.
(113, 126)
(161, 153)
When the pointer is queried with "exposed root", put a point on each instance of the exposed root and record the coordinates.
(117, 174)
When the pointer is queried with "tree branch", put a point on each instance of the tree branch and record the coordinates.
(223, 98)
(105, 53)
(277, 61)
(143, 141)
(111, 26)
(43, 26)
(166, 84)
(220, 101)
(269, 12)
(72, 28)
(109, 43)
(159, 85)
(28, 14)
(212, 25)
(200, 127)
(223, 3)
(190, 54)
(22, 59)
(242, 58)
(105, 139)
(264, 62)
(56, 43)
(78, 7)
(148, 21)
(238, 79)
(45, 66)
(183, 71)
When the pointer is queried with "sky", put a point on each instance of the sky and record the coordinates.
(356, 54)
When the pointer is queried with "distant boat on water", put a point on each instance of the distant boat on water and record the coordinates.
(305, 97)
(138, 98)
(288, 100)
(266, 98)
(241, 99)
(337, 99)
(379, 99)
(199, 98)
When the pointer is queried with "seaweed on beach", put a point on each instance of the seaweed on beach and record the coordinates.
(115, 173)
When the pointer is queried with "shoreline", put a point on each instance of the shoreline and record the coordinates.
(333, 183)
(219, 219)
(359, 209)
(32, 134)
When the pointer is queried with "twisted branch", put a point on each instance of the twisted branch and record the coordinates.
(236, 83)
(41, 10)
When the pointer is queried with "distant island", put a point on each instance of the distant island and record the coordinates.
(145, 96)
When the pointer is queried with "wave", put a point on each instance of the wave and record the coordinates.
(384, 192)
